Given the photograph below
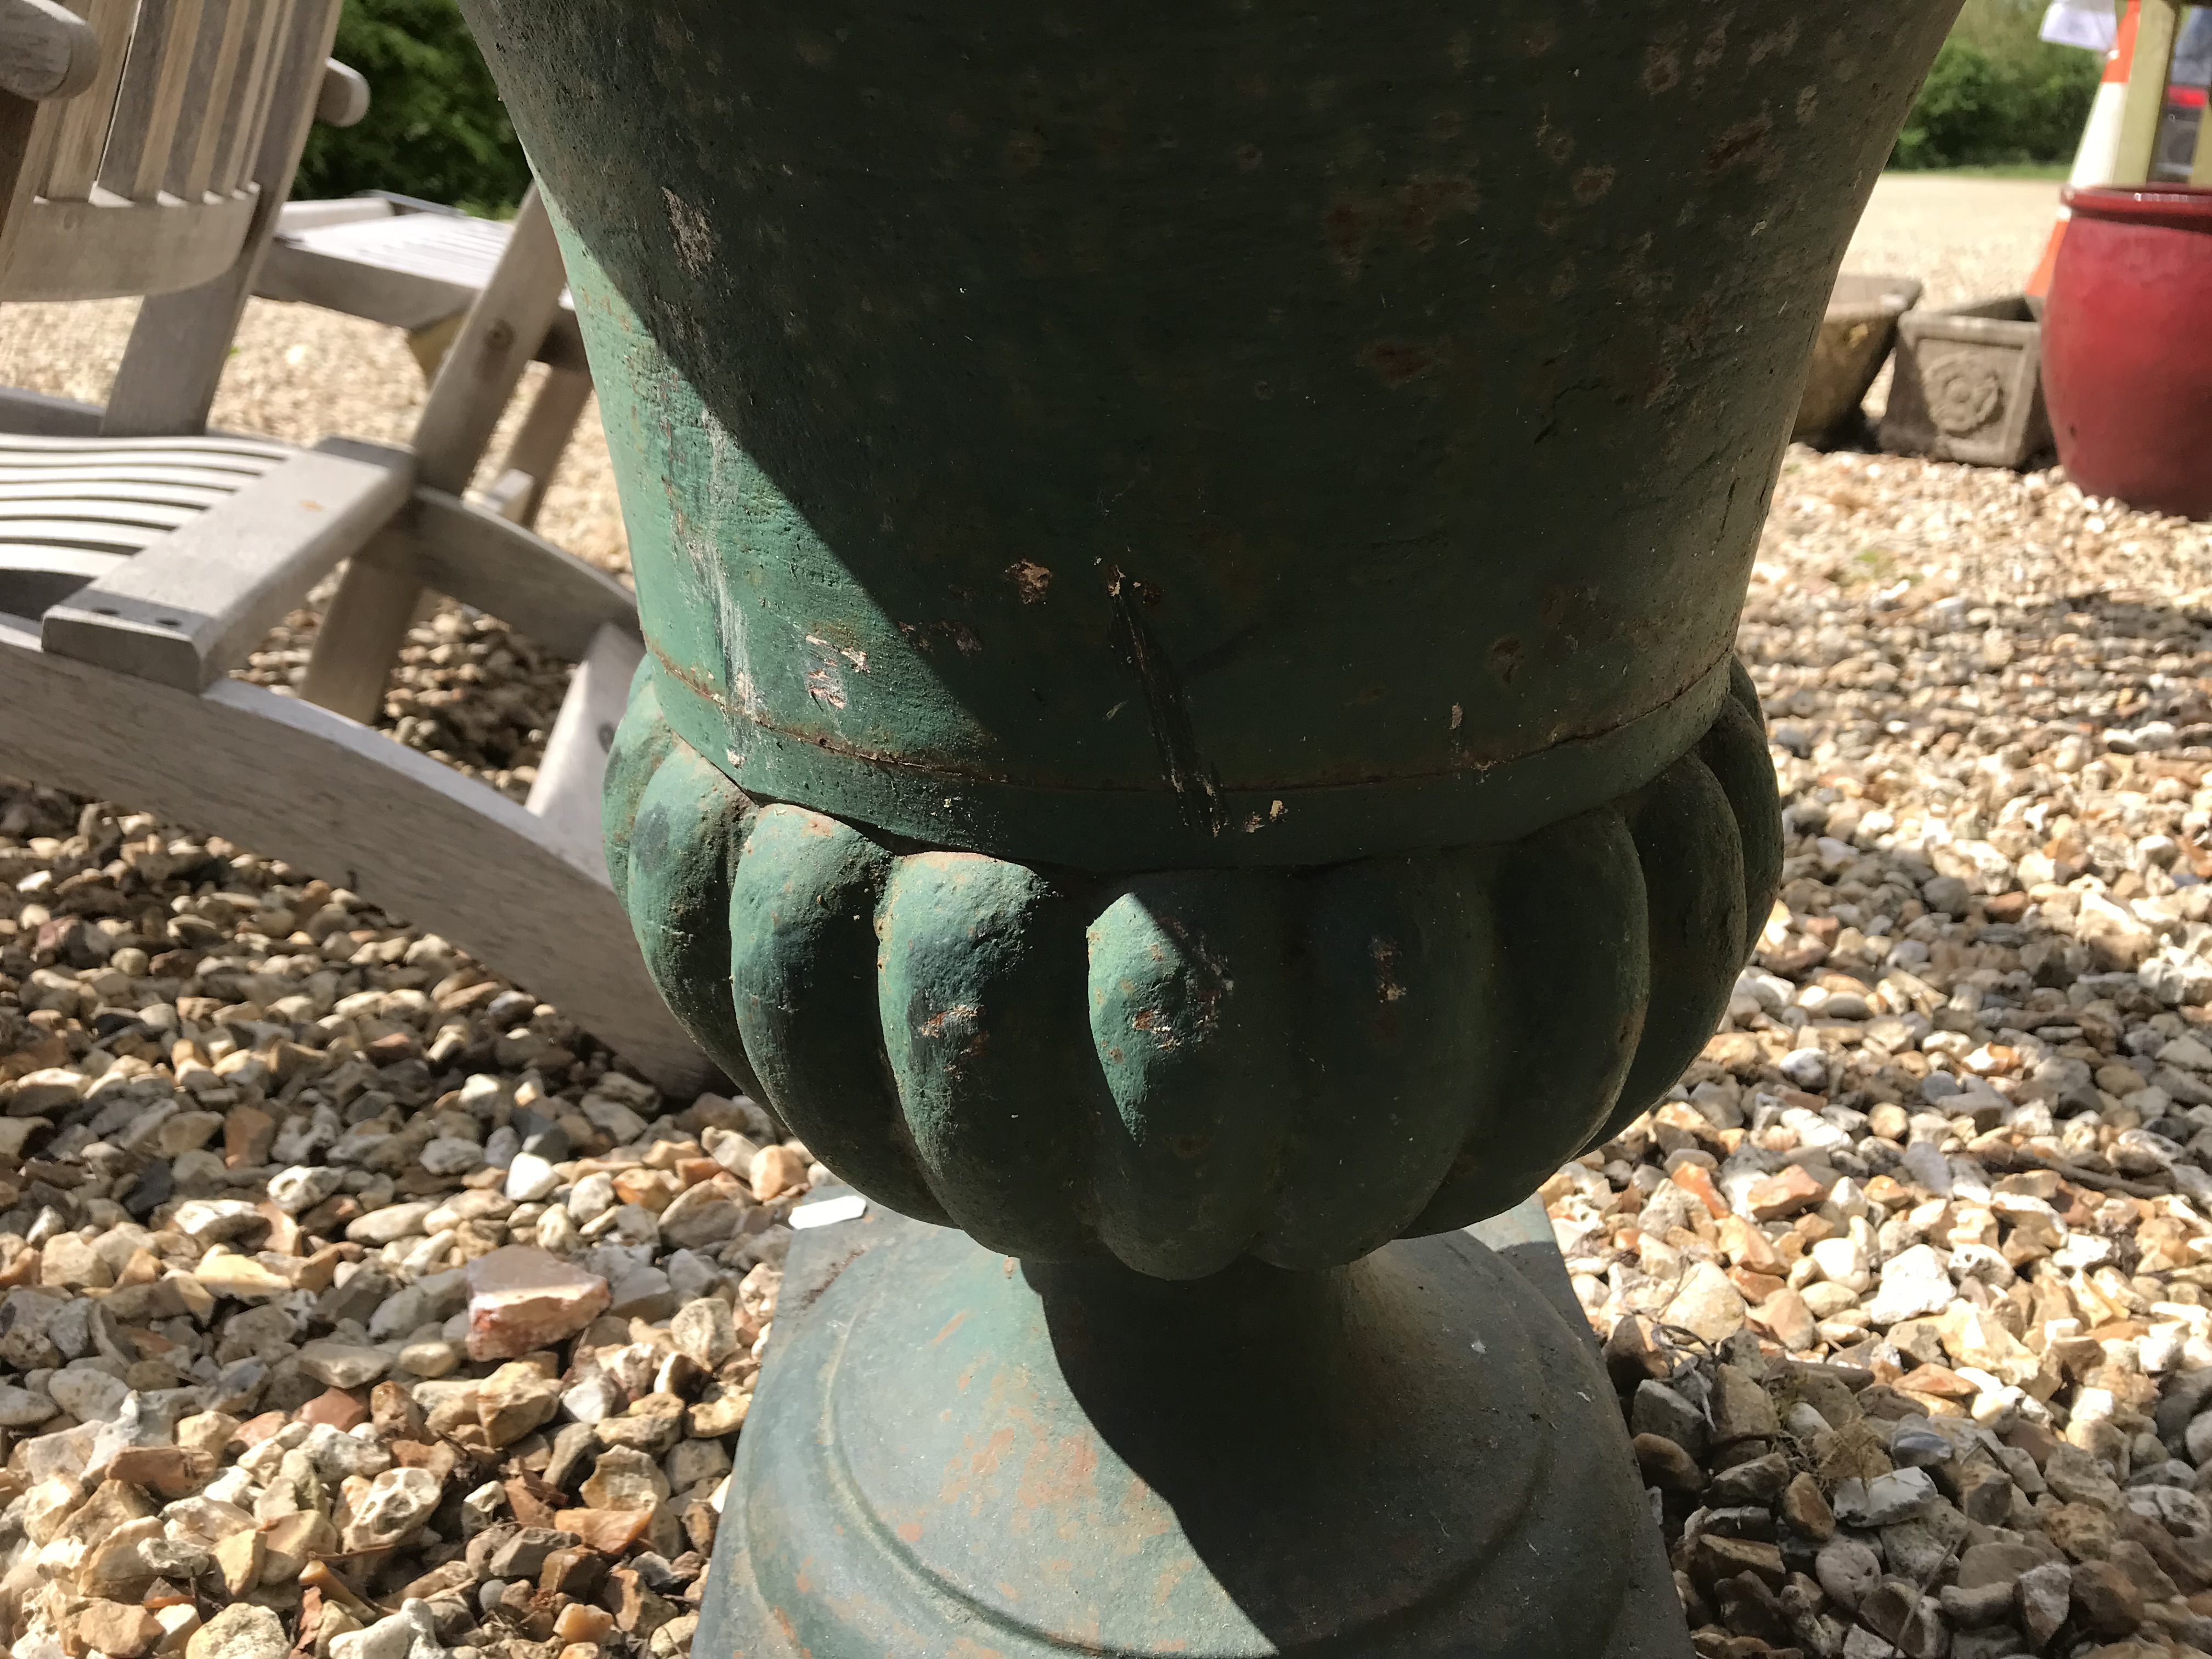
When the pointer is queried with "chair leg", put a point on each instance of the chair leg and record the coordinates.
(363, 629)
(538, 448)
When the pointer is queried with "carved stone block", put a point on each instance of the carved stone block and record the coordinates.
(1968, 385)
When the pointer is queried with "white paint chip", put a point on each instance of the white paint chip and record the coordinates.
(851, 1207)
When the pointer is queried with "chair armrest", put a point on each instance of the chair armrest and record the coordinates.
(343, 97)
(193, 605)
(294, 217)
(47, 50)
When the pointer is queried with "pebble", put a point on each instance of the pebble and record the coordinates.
(531, 1177)
(121, 1631)
(343, 1364)
(1707, 1304)
(1885, 1500)
(2043, 1595)
(410, 1633)
(240, 1630)
(522, 1298)
(1848, 1570)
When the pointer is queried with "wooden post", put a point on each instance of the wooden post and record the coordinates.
(375, 603)
(2158, 22)
(538, 448)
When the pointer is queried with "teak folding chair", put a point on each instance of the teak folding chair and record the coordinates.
(146, 146)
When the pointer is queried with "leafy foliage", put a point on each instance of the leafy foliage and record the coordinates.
(435, 127)
(1996, 94)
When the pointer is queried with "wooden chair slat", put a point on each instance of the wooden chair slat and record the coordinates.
(29, 451)
(206, 476)
(19, 510)
(80, 134)
(103, 496)
(198, 444)
(249, 93)
(295, 21)
(99, 535)
(154, 77)
(151, 466)
(207, 100)
(180, 51)
(192, 607)
(82, 562)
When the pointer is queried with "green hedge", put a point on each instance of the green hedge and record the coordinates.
(435, 127)
(1998, 96)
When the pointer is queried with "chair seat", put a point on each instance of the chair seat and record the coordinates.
(406, 269)
(73, 508)
(455, 248)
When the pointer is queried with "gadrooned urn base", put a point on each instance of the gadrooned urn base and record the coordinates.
(956, 1453)
(1180, 1069)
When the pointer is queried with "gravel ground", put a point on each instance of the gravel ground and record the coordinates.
(354, 1303)
(1966, 239)
(1904, 1290)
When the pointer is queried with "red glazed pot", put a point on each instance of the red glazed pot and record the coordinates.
(2127, 346)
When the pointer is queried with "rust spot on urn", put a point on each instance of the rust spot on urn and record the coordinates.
(1739, 144)
(1060, 1475)
(1346, 230)
(1778, 42)
(1395, 362)
(1429, 197)
(951, 1326)
(1414, 209)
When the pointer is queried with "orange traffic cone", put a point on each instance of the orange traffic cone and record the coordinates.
(2100, 140)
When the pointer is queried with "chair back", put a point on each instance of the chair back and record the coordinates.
(147, 181)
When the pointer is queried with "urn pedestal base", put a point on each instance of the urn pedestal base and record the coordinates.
(956, 1453)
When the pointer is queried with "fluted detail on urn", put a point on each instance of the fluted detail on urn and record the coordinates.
(1183, 1068)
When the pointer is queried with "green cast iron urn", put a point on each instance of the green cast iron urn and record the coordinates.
(1188, 556)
